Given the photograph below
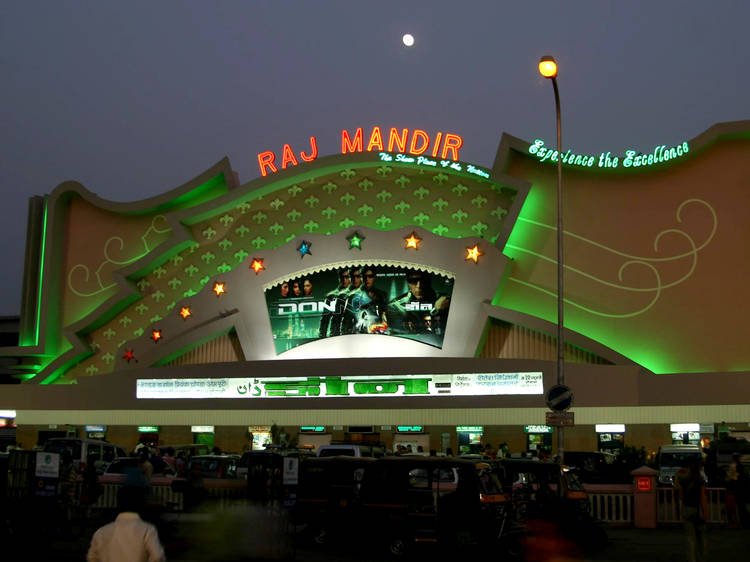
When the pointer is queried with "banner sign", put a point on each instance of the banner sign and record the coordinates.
(384, 300)
(469, 384)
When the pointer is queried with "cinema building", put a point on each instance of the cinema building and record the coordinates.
(394, 293)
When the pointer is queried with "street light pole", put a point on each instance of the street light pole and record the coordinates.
(548, 69)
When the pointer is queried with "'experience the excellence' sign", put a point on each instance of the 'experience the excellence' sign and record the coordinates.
(606, 160)
(468, 384)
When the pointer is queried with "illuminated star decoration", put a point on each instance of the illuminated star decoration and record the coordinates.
(257, 265)
(474, 253)
(129, 355)
(156, 335)
(304, 249)
(412, 241)
(355, 241)
(185, 312)
(219, 289)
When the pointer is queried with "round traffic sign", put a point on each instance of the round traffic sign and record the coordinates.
(559, 398)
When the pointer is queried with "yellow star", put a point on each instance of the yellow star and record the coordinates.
(219, 289)
(257, 265)
(185, 312)
(473, 253)
(412, 241)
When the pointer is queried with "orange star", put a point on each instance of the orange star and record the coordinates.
(473, 253)
(257, 265)
(156, 336)
(219, 289)
(185, 312)
(412, 241)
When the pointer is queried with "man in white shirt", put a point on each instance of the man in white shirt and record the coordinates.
(128, 538)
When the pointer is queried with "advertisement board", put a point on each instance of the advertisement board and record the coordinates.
(360, 299)
(462, 384)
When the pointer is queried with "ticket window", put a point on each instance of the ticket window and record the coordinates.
(470, 441)
(536, 442)
(149, 439)
(260, 440)
(686, 437)
(685, 433)
(610, 437)
(611, 442)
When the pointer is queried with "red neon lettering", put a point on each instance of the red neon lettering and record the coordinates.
(437, 144)
(346, 143)
(266, 159)
(419, 134)
(397, 141)
(452, 143)
(314, 147)
(376, 140)
(287, 156)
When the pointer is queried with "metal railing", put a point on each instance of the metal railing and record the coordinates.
(668, 505)
(615, 508)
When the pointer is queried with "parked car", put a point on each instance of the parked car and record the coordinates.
(213, 466)
(674, 457)
(122, 465)
(351, 450)
(81, 449)
(189, 450)
(594, 467)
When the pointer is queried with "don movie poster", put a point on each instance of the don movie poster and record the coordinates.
(360, 299)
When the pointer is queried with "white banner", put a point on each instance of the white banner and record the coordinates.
(465, 384)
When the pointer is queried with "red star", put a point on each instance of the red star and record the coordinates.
(129, 355)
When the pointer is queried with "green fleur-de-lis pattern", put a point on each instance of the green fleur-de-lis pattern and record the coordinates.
(381, 197)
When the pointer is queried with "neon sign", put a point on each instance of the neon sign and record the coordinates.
(417, 142)
(605, 160)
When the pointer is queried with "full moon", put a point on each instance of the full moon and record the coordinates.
(408, 39)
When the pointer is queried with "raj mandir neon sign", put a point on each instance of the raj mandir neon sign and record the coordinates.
(415, 142)
(632, 159)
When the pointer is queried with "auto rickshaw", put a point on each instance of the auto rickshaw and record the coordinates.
(415, 499)
(548, 491)
(328, 487)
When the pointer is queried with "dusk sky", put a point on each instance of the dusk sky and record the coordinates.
(132, 99)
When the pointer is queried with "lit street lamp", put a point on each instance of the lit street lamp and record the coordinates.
(548, 69)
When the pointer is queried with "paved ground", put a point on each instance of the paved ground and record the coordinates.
(257, 537)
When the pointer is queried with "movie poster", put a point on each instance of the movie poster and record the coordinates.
(378, 300)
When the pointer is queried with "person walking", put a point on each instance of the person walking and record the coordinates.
(128, 537)
(692, 489)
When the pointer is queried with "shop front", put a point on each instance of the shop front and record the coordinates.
(148, 435)
(95, 431)
(685, 433)
(538, 438)
(610, 437)
(203, 434)
(312, 436)
(411, 439)
(469, 439)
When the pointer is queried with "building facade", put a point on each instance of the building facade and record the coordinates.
(394, 293)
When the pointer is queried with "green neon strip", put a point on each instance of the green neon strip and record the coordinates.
(41, 274)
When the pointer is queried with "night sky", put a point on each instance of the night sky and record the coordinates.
(132, 99)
